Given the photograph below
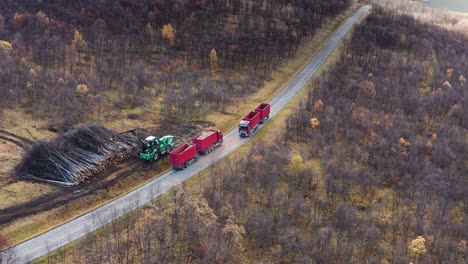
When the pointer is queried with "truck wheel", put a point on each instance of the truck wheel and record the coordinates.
(168, 149)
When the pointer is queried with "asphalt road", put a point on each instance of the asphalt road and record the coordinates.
(78, 227)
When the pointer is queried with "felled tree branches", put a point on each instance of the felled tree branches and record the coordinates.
(77, 155)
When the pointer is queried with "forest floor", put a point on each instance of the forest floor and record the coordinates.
(43, 200)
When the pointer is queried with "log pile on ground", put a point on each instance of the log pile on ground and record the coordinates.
(77, 155)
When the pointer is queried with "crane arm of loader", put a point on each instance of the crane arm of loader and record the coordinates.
(133, 132)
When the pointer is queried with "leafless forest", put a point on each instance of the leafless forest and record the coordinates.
(69, 61)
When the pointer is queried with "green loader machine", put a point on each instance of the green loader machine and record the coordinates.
(152, 147)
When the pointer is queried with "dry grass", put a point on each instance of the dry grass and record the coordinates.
(9, 155)
(14, 192)
(22, 124)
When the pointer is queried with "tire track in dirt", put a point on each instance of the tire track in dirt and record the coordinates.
(67, 195)
(19, 138)
(17, 143)
(20, 141)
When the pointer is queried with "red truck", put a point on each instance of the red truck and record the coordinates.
(250, 123)
(264, 110)
(183, 156)
(207, 141)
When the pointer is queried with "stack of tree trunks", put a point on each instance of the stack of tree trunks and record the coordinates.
(77, 155)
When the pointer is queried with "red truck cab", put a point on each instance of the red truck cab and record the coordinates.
(249, 124)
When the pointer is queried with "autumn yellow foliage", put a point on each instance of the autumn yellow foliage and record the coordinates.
(462, 80)
(213, 59)
(314, 123)
(418, 246)
(5, 46)
(78, 42)
(168, 33)
(447, 84)
(82, 89)
(296, 163)
(233, 230)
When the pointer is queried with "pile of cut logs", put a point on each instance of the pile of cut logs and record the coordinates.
(77, 155)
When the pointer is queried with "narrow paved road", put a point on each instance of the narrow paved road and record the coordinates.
(78, 227)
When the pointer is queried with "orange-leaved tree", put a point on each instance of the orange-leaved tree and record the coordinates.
(168, 33)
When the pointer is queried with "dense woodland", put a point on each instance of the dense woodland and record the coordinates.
(393, 138)
(75, 61)
(378, 176)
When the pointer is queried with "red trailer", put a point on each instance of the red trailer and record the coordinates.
(264, 110)
(183, 156)
(249, 124)
(208, 140)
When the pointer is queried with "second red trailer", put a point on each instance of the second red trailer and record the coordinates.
(208, 140)
(264, 110)
(183, 156)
